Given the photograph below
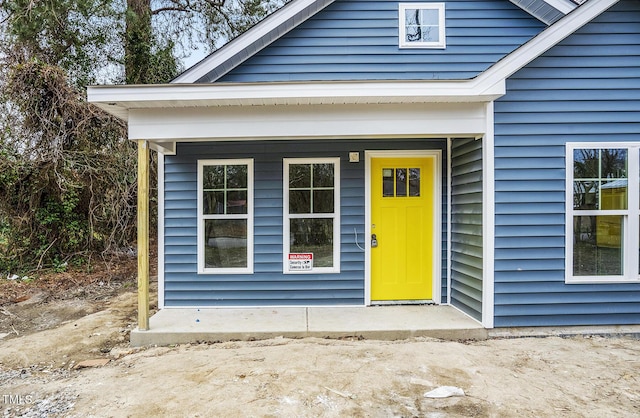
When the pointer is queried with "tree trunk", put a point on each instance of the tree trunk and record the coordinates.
(138, 40)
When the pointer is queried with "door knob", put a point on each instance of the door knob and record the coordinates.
(374, 241)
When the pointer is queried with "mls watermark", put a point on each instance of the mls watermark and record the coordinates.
(18, 399)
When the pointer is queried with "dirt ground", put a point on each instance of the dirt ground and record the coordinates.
(46, 338)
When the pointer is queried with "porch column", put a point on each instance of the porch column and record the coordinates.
(143, 235)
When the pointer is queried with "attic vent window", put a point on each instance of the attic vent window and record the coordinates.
(422, 25)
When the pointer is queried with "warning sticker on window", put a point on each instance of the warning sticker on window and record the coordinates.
(300, 261)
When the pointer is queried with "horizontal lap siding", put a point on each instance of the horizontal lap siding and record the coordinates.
(268, 285)
(358, 40)
(466, 226)
(567, 95)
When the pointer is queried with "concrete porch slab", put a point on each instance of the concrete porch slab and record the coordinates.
(190, 325)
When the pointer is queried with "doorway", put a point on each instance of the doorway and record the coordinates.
(404, 199)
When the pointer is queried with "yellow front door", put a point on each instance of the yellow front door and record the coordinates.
(402, 220)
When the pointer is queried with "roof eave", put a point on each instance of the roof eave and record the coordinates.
(488, 86)
(119, 100)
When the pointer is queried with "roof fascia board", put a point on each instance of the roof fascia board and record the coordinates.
(276, 22)
(544, 41)
(171, 93)
(564, 6)
(117, 100)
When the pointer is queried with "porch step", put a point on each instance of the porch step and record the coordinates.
(191, 325)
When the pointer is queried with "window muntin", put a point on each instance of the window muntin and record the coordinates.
(311, 213)
(600, 178)
(225, 216)
(600, 217)
(422, 25)
(396, 180)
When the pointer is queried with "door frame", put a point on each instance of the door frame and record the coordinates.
(437, 215)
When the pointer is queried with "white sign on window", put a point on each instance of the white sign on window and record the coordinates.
(300, 261)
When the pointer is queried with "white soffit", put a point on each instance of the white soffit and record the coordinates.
(565, 6)
(118, 100)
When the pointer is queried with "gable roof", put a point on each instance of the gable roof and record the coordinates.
(488, 86)
(250, 42)
(296, 12)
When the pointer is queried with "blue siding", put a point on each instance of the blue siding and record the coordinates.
(268, 285)
(569, 94)
(358, 40)
(466, 226)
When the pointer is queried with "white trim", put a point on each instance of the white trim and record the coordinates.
(563, 6)
(164, 148)
(120, 99)
(248, 216)
(309, 122)
(632, 239)
(488, 221)
(160, 240)
(286, 216)
(261, 30)
(367, 227)
(630, 216)
(449, 218)
(402, 26)
(437, 215)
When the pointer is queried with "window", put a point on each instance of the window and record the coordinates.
(400, 182)
(225, 216)
(311, 215)
(422, 25)
(603, 212)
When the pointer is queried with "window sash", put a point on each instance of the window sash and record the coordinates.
(421, 7)
(288, 217)
(599, 235)
(229, 249)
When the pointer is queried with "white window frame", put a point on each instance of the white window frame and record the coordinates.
(248, 216)
(440, 7)
(631, 215)
(335, 215)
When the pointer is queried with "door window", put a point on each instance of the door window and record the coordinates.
(400, 182)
